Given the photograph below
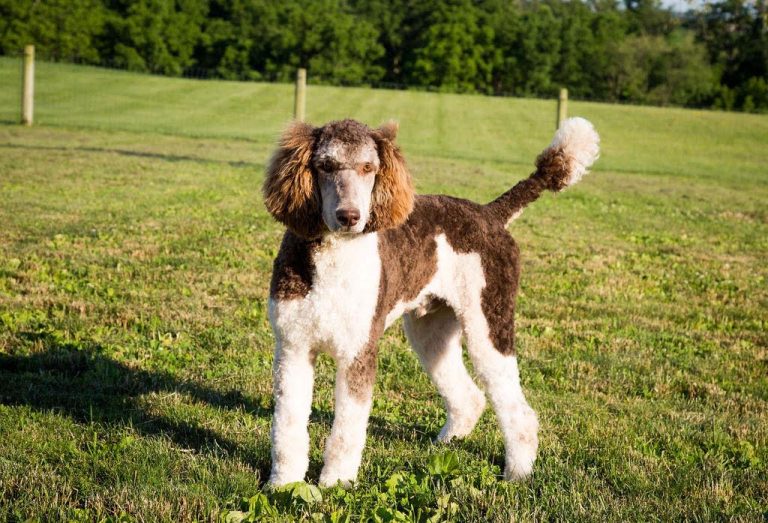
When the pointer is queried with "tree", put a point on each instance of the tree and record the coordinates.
(154, 35)
(452, 53)
(680, 73)
(536, 51)
(577, 60)
(235, 39)
(662, 71)
(60, 29)
(325, 37)
(736, 36)
(649, 17)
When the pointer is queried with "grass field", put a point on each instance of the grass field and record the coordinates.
(135, 352)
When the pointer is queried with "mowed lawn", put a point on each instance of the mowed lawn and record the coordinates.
(135, 351)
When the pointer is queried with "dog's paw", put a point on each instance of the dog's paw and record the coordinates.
(331, 480)
(277, 481)
(519, 467)
(461, 422)
(520, 458)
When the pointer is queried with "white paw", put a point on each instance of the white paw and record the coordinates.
(520, 457)
(461, 424)
(331, 479)
(280, 480)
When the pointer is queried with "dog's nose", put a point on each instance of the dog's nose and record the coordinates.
(348, 217)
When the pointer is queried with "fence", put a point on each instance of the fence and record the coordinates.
(64, 96)
(107, 98)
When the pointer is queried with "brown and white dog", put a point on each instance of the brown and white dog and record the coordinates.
(360, 251)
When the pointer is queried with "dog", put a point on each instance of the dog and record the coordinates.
(360, 251)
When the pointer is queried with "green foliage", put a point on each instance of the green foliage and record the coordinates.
(661, 71)
(640, 52)
(450, 53)
(153, 35)
(446, 464)
(60, 29)
(735, 33)
(326, 38)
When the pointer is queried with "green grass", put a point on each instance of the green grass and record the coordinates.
(135, 352)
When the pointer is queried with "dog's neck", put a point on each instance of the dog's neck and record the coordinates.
(334, 240)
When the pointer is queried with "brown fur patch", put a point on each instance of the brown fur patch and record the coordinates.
(290, 188)
(402, 278)
(349, 131)
(361, 375)
(553, 167)
(293, 269)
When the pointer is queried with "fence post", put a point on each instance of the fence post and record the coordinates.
(300, 101)
(562, 107)
(28, 86)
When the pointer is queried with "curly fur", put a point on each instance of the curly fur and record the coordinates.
(393, 191)
(447, 265)
(290, 189)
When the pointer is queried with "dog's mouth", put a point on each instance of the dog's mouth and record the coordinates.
(346, 230)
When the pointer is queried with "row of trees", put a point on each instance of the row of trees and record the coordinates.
(635, 51)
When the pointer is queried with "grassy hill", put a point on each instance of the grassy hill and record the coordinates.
(135, 353)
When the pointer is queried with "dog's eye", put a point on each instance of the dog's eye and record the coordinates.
(367, 167)
(325, 165)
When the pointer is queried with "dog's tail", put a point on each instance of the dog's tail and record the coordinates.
(573, 150)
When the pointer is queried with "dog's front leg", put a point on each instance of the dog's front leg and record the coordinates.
(293, 373)
(354, 390)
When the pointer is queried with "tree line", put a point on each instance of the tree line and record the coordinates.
(632, 51)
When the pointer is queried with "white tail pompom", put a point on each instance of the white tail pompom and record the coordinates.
(580, 143)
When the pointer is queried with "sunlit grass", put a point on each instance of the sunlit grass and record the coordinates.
(135, 352)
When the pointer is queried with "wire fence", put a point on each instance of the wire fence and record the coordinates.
(199, 104)
(112, 98)
(10, 89)
(106, 95)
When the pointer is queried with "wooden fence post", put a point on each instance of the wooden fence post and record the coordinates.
(300, 101)
(28, 86)
(562, 107)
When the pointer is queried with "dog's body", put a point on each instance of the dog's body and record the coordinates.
(362, 251)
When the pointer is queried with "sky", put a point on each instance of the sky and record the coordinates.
(682, 5)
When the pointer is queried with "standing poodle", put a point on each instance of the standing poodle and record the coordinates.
(360, 251)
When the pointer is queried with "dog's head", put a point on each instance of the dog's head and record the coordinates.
(343, 177)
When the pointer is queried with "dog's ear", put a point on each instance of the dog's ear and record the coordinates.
(290, 188)
(392, 199)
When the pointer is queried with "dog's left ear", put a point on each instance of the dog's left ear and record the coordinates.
(392, 199)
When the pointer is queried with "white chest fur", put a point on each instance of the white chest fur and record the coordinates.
(337, 312)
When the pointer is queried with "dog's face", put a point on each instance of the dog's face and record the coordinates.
(346, 168)
(342, 178)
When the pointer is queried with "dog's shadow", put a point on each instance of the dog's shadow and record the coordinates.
(82, 382)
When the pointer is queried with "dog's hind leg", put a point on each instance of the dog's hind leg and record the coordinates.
(436, 338)
(499, 374)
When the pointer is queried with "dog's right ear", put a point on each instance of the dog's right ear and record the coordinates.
(290, 188)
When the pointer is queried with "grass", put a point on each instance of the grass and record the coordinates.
(135, 352)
